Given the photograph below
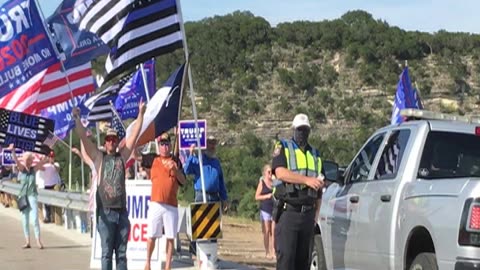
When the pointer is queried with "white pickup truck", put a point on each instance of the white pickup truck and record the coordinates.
(410, 199)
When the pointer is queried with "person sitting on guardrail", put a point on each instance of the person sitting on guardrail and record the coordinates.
(113, 224)
(28, 188)
(167, 175)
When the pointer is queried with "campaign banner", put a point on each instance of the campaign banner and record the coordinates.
(25, 131)
(7, 159)
(62, 114)
(188, 133)
(138, 200)
(78, 46)
(130, 94)
(25, 48)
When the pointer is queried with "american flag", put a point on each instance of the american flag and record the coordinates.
(48, 88)
(50, 140)
(117, 125)
(135, 30)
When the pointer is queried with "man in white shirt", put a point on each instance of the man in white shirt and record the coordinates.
(50, 177)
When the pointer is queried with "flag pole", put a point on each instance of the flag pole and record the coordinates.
(147, 93)
(70, 164)
(192, 98)
(176, 148)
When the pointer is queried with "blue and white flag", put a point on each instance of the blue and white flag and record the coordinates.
(61, 114)
(78, 46)
(406, 97)
(24, 45)
(134, 90)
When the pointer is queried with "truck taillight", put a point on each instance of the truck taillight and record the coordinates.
(469, 230)
(474, 218)
(477, 131)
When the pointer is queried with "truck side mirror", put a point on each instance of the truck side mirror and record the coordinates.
(332, 172)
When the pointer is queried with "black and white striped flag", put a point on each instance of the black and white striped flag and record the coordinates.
(135, 30)
(99, 104)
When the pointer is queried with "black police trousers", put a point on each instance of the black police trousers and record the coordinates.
(293, 237)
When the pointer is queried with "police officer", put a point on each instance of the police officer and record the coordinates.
(298, 165)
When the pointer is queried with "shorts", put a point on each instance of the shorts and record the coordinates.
(265, 216)
(162, 215)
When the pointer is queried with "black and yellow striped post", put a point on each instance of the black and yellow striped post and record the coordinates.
(204, 221)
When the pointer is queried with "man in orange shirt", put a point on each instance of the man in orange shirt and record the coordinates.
(166, 174)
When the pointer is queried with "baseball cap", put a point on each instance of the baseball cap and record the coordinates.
(112, 132)
(164, 137)
(300, 120)
(211, 138)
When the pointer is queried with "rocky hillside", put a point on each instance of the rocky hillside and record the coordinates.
(251, 77)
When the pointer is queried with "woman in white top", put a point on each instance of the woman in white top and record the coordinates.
(50, 178)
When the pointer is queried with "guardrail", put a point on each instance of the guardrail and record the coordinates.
(67, 200)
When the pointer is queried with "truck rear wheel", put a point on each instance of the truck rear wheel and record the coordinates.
(318, 256)
(425, 261)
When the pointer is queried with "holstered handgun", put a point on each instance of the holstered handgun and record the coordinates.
(278, 207)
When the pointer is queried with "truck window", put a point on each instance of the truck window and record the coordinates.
(362, 164)
(392, 154)
(448, 155)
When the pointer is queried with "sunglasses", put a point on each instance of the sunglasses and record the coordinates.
(164, 143)
(111, 139)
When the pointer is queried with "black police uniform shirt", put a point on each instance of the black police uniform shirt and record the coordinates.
(280, 160)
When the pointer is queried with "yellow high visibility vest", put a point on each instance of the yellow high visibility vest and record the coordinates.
(306, 163)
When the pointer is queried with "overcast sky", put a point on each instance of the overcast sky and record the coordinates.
(422, 15)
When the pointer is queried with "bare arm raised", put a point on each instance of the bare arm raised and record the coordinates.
(126, 151)
(90, 148)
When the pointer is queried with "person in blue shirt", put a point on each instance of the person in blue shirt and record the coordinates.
(213, 175)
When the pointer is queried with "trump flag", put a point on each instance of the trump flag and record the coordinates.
(406, 97)
(24, 45)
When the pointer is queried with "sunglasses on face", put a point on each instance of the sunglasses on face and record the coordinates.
(164, 143)
(111, 139)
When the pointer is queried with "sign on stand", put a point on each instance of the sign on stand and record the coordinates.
(188, 133)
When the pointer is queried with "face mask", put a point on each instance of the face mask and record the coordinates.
(301, 136)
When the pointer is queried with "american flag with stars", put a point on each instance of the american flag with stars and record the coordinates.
(50, 140)
(4, 119)
(117, 125)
